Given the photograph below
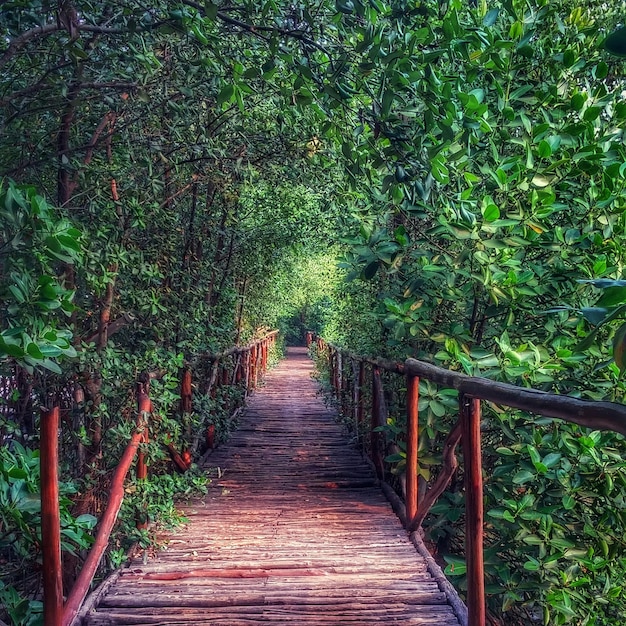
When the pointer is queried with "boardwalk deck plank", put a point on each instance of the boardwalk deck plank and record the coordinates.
(293, 530)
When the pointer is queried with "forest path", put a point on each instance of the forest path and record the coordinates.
(294, 530)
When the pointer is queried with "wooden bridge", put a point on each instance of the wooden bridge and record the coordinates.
(294, 530)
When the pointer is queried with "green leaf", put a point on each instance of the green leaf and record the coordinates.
(491, 213)
(602, 70)
(395, 458)
(13, 350)
(611, 297)
(541, 181)
(225, 94)
(34, 351)
(51, 365)
(590, 338)
(594, 315)
(615, 43)
(438, 409)
(592, 113)
(491, 17)
(29, 503)
(388, 98)
(568, 502)
(551, 459)
(619, 348)
(534, 540)
(505, 451)
(577, 101)
(20, 298)
(50, 351)
(69, 242)
(603, 283)
(210, 9)
(345, 6)
(456, 566)
(532, 565)
(545, 149)
(523, 476)
(87, 520)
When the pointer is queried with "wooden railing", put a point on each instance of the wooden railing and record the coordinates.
(347, 373)
(240, 365)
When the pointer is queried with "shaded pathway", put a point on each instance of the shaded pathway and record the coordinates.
(293, 531)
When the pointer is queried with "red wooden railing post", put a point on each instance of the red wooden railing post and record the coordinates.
(331, 367)
(340, 378)
(472, 461)
(354, 395)
(51, 518)
(252, 367)
(375, 436)
(253, 359)
(337, 374)
(186, 399)
(359, 399)
(412, 400)
(263, 355)
(246, 369)
(344, 387)
(185, 391)
(143, 407)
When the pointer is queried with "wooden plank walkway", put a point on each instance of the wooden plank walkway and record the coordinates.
(293, 531)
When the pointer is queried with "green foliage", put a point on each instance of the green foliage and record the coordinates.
(33, 240)
(491, 147)
(20, 506)
(218, 412)
(154, 502)
(470, 157)
(20, 526)
(555, 495)
(298, 296)
(21, 611)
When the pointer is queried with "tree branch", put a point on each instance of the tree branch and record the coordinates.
(21, 40)
(449, 464)
(38, 86)
(108, 85)
(256, 30)
(117, 324)
(53, 27)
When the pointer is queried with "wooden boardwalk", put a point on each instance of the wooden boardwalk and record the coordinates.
(293, 531)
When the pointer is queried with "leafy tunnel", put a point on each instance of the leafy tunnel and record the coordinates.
(434, 179)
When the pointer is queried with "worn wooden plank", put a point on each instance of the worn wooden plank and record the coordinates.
(293, 530)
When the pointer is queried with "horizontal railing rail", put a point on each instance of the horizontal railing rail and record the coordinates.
(239, 365)
(348, 384)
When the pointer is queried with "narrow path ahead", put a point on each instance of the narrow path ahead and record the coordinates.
(294, 531)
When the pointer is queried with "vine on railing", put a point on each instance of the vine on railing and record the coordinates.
(239, 366)
(347, 375)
